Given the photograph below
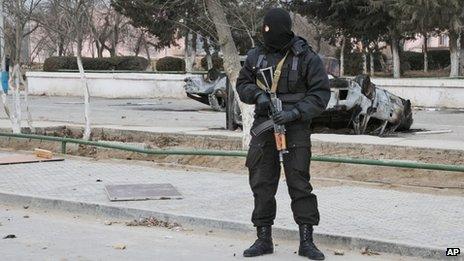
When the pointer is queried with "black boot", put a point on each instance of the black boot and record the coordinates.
(263, 245)
(307, 247)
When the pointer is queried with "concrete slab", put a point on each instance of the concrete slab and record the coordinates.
(128, 192)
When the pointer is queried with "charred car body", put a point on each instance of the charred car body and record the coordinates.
(359, 104)
(354, 103)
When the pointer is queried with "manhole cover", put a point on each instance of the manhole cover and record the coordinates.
(142, 192)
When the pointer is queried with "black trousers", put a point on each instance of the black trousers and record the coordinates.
(264, 173)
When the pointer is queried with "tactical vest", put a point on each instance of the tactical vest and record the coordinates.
(291, 87)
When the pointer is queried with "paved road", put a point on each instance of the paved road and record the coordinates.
(59, 236)
(189, 114)
(405, 218)
(191, 117)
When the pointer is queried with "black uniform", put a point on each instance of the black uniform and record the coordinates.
(304, 87)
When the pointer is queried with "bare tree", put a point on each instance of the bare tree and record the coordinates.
(20, 15)
(107, 27)
(53, 25)
(231, 60)
(77, 20)
(3, 56)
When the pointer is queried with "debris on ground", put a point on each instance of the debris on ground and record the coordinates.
(40, 153)
(153, 222)
(368, 252)
(109, 223)
(9, 236)
(26, 216)
(26, 207)
(339, 253)
(119, 246)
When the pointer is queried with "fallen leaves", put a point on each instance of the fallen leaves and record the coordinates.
(153, 222)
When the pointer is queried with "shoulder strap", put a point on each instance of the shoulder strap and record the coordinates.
(278, 72)
(260, 60)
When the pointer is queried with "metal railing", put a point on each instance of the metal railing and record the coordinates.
(233, 153)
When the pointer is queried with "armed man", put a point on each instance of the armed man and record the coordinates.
(285, 102)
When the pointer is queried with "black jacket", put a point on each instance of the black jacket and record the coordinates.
(309, 82)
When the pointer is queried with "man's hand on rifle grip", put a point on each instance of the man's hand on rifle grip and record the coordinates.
(263, 102)
(283, 117)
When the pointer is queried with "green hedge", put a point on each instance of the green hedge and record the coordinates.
(438, 59)
(130, 63)
(170, 63)
(218, 63)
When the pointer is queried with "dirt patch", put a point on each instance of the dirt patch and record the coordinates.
(452, 182)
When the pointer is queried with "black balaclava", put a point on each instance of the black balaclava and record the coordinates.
(277, 29)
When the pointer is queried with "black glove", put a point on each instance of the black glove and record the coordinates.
(283, 117)
(263, 102)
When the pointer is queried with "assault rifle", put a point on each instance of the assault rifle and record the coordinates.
(275, 106)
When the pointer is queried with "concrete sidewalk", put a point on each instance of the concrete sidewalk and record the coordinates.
(383, 220)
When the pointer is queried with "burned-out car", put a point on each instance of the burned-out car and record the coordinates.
(355, 104)
(359, 104)
(209, 89)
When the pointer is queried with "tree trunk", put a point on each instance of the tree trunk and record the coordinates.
(3, 59)
(209, 58)
(112, 51)
(190, 51)
(16, 112)
(318, 39)
(396, 57)
(383, 64)
(461, 56)
(26, 102)
(100, 49)
(2, 40)
(364, 58)
(138, 45)
(15, 76)
(187, 42)
(371, 59)
(231, 61)
(147, 51)
(454, 53)
(342, 57)
(61, 46)
(85, 88)
(425, 50)
(193, 54)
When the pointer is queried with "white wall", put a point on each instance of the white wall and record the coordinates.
(423, 92)
(108, 85)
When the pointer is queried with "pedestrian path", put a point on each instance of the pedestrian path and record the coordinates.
(413, 219)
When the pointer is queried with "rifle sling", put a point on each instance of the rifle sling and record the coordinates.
(275, 77)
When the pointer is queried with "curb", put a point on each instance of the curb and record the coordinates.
(108, 211)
